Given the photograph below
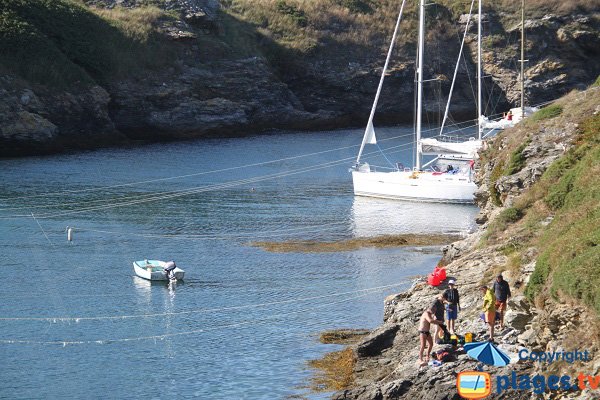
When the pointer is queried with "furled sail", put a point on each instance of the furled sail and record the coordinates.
(435, 147)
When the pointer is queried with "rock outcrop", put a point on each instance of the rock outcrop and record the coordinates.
(220, 98)
(41, 121)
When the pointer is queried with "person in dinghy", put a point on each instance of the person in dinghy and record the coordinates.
(169, 270)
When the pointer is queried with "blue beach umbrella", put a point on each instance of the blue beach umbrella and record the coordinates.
(487, 353)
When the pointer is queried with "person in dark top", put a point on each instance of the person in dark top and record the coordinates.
(452, 304)
(502, 292)
(437, 308)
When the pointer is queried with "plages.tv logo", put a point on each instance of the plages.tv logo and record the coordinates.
(473, 385)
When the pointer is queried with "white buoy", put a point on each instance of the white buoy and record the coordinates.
(69, 234)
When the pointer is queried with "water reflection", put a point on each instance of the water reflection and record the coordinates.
(162, 303)
(372, 216)
(143, 288)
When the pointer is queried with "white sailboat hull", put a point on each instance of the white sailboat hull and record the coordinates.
(422, 186)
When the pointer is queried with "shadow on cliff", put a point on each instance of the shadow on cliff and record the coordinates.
(60, 44)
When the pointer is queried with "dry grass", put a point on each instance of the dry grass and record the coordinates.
(311, 246)
(136, 23)
(537, 8)
(322, 22)
(342, 26)
(343, 336)
(335, 371)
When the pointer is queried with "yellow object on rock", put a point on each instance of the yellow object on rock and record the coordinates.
(468, 337)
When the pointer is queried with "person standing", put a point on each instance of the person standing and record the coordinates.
(427, 318)
(437, 308)
(502, 292)
(452, 304)
(489, 309)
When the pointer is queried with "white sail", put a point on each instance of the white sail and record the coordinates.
(370, 134)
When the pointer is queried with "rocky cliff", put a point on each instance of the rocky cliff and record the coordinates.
(101, 72)
(531, 231)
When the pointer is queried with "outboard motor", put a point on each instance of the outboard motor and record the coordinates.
(169, 269)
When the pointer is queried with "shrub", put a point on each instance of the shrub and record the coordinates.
(510, 215)
(538, 277)
(551, 111)
(357, 6)
(297, 15)
(557, 193)
(517, 159)
(494, 176)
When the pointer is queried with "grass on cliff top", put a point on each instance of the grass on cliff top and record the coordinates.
(311, 246)
(61, 43)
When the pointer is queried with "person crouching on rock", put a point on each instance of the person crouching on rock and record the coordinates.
(489, 309)
(427, 318)
(437, 308)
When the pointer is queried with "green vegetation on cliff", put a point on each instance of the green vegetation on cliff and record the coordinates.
(62, 42)
(560, 214)
(569, 260)
(551, 111)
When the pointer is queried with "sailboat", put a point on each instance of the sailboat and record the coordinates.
(447, 179)
(514, 115)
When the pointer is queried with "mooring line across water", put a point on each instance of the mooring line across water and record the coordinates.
(198, 311)
(65, 343)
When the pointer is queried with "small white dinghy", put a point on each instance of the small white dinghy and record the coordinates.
(155, 270)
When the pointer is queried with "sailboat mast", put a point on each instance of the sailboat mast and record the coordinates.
(522, 58)
(420, 52)
(369, 136)
(479, 109)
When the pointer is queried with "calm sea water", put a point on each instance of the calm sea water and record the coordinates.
(76, 323)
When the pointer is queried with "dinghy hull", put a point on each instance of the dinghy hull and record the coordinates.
(153, 270)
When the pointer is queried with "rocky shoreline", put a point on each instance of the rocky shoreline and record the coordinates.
(386, 361)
